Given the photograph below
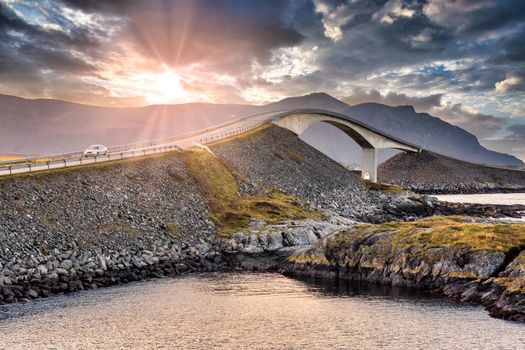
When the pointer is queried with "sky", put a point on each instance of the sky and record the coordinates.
(460, 60)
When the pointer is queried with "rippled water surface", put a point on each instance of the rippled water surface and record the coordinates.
(491, 198)
(225, 311)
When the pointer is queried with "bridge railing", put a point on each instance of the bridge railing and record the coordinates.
(126, 147)
(77, 158)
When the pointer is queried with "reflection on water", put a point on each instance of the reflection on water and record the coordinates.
(225, 311)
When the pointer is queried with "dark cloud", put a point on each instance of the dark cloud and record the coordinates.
(470, 17)
(26, 47)
(510, 49)
(226, 35)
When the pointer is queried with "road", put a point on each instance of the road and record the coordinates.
(195, 138)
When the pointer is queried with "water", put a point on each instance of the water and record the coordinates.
(492, 198)
(256, 311)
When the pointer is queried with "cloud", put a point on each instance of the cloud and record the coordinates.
(421, 104)
(480, 124)
(223, 35)
(517, 133)
(392, 10)
(472, 17)
(513, 82)
(334, 17)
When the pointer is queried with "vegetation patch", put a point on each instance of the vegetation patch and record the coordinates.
(4, 157)
(452, 230)
(309, 258)
(376, 186)
(119, 227)
(241, 136)
(173, 230)
(296, 157)
(279, 154)
(231, 211)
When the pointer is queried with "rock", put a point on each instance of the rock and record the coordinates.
(61, 271)
(66, 264)
(42, 269)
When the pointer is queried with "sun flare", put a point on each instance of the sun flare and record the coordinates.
(165, 87)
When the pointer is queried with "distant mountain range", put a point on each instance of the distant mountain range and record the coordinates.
(44, 126)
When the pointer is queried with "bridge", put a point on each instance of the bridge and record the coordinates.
(297, 121)
(368, 138)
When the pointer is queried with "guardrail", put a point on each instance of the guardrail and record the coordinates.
(129, 146)
(71, 161)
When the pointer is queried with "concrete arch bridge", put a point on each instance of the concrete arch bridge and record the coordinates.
(370, 139)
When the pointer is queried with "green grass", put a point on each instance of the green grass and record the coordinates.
(232, 212)
(244, 135)
(453, 230)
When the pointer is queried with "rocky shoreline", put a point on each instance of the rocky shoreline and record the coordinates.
(72, 271)
(492, 278)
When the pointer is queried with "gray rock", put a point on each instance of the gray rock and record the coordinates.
(62, 271)
(66, 264)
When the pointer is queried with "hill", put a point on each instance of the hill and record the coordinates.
(431, 173)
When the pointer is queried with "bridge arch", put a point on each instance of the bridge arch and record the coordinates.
(370, 139)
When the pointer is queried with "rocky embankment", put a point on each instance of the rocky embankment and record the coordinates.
(430, 173)
(97, 226)
(278, 158)
(467, 259)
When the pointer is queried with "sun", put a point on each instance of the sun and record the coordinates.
(163, 88)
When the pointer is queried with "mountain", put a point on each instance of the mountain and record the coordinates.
(403, 122)
(318, 100)
(43, 126)
(429, 132)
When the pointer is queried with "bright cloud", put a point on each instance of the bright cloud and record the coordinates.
(510, 82)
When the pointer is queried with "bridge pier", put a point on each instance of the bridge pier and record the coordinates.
(369, 164)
